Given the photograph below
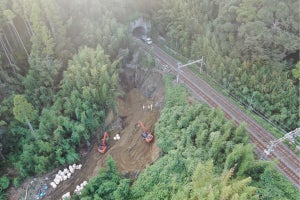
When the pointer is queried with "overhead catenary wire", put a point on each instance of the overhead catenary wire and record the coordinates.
(274, 123)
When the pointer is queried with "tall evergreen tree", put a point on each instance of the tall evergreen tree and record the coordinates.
(23, 110)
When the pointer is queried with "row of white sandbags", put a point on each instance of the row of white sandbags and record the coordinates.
(80, 187)
(76, 191)
(66, 196)
(64, 175)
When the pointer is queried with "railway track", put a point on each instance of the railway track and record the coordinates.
(287, 161)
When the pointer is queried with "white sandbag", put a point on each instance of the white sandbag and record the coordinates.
(71, 168)
(53, 185)
(84, 183)
(56, 181)
(78, 166)
(57, 176)
(66, 171)
(65, 177)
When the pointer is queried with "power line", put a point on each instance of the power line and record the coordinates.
(290, 136)
(239, 98)
(244, 102)
(179, 66)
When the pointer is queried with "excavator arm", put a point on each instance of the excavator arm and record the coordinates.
(142, 126)
(103, 146)
(105, 137)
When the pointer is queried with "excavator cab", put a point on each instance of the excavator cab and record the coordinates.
(146, 135)
(103, 144)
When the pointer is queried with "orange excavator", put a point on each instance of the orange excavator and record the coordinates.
(146, 135)
(103, 146)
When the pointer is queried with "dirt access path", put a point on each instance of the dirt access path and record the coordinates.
(131, 153)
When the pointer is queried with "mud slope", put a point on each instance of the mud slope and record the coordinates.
(131, 153)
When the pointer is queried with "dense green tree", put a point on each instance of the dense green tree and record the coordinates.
(107, 185)
(272, 185)
(88, 89)
(206, 185)
(41, 77)
(175, 95)
(23, 110)
(161, 179)
(4, 183)
(296, 71)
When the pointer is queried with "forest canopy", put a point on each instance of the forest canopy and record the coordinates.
(251, 48)
(59, 71)
(60, 62)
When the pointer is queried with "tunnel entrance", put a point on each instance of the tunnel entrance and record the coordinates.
(139, 27)
(139, 32)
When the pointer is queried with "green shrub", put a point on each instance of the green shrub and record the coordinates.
(4, 183)
(17, 182)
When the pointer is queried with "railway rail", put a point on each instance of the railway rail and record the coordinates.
(287, 161)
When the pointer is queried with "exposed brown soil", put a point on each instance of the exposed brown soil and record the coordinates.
(131, 153)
